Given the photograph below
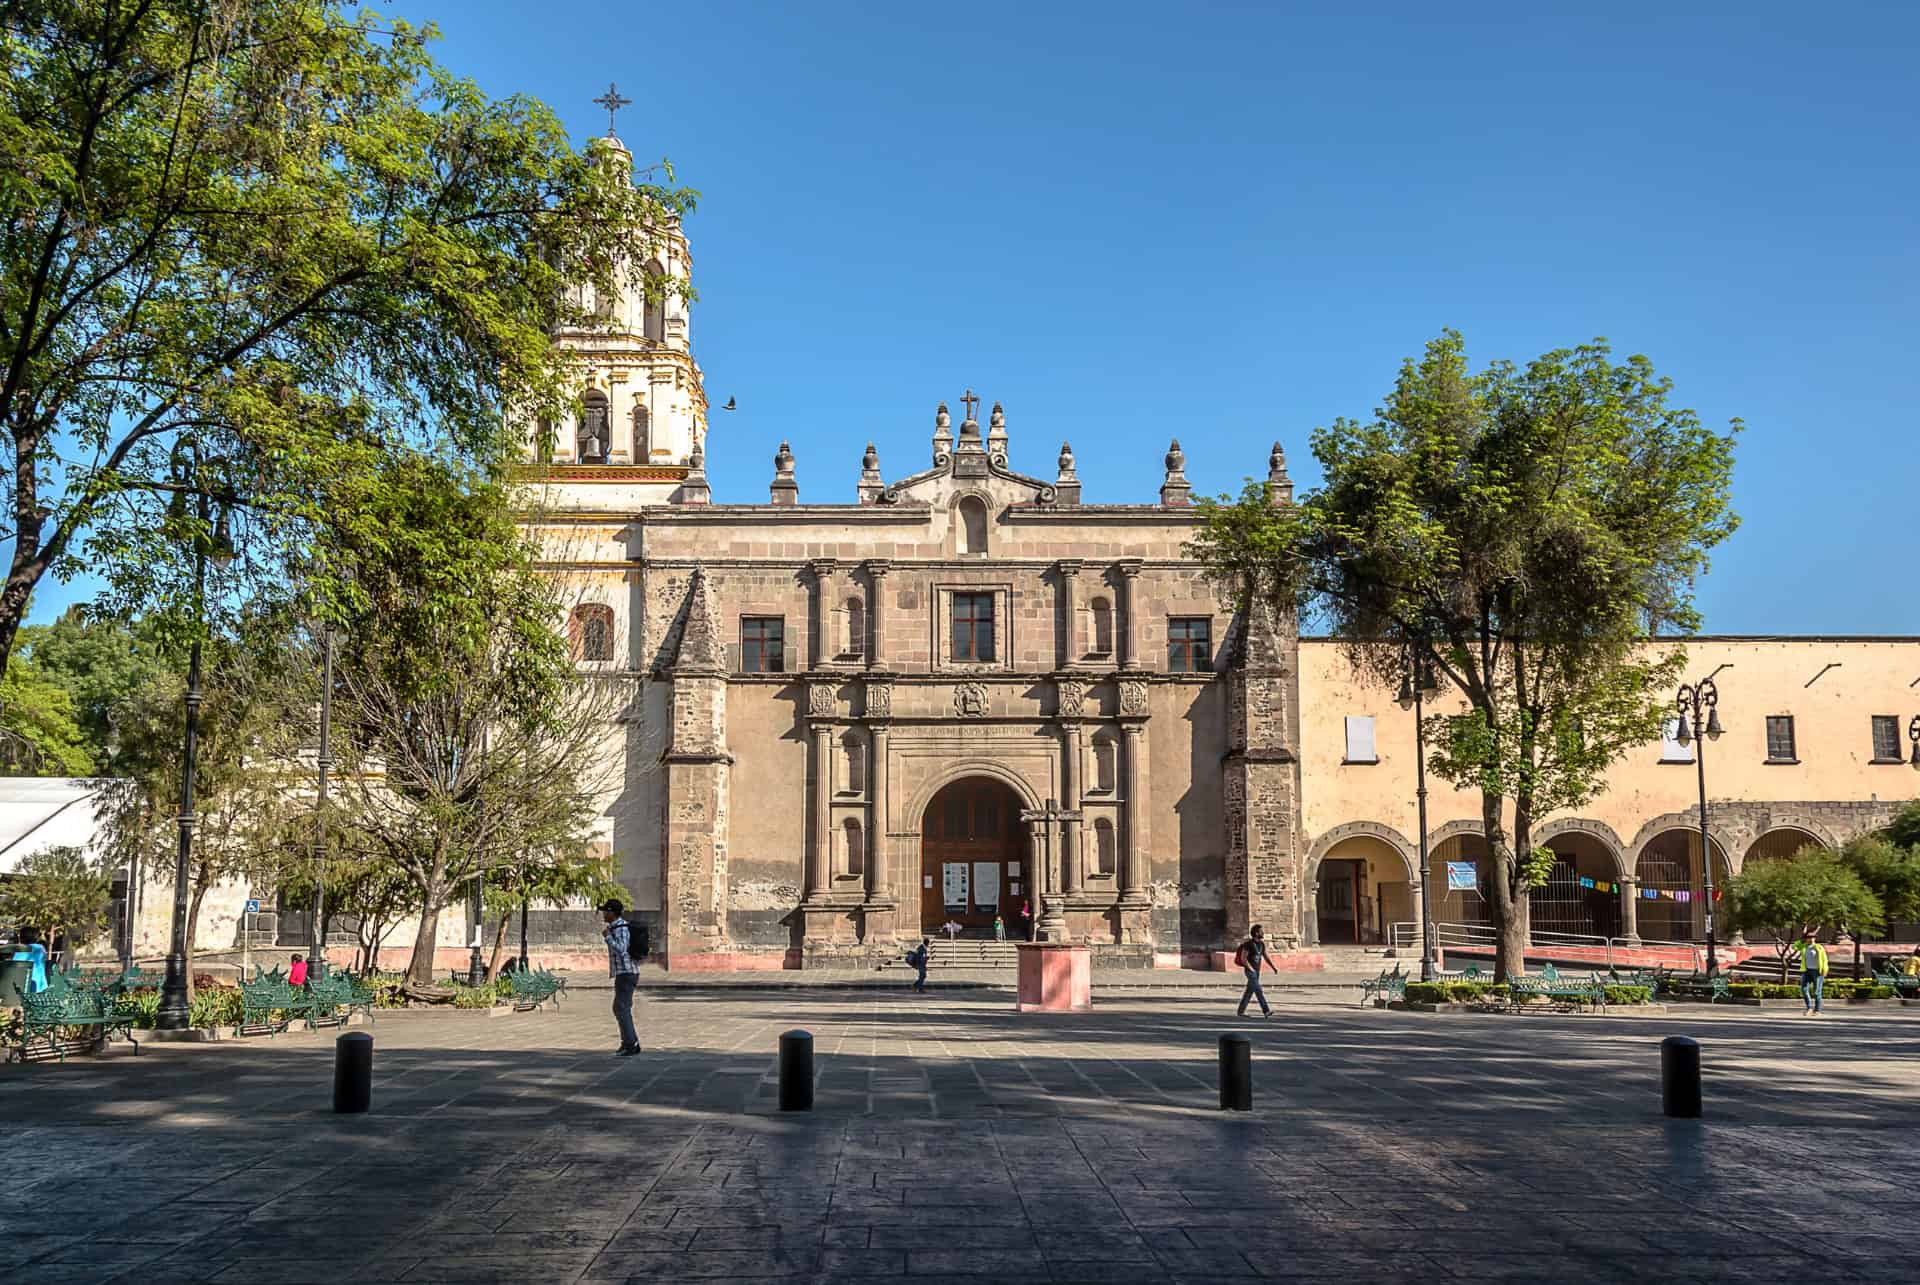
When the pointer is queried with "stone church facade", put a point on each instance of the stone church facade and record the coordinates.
(973, 692)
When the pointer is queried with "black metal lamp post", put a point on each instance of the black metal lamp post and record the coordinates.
(1416, 684)
(1913, 734)
(173, 1011)
(477, 967)
(1696, 701)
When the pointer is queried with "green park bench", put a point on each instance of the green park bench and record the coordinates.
(66, 1004)
(1559, 991)
(1904, 986)
(1696, 986)
(1387, 986)
(532, 989)
(268, 995)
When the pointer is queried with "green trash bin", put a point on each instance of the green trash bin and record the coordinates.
(13, 980)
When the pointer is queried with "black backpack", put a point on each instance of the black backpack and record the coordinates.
(638, 948)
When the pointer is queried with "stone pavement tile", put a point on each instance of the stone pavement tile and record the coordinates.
(1103, 1271)
(454, 1244)
(720, 1264)
(635, 1240)
(788, 1235)
(996, 1235)
(507, 1270)
(1205, 1262)
(311, 1271)
(1091, 1243)
(978, 1261)
(836, 1264)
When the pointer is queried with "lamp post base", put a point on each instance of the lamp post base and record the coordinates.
(174, 1012)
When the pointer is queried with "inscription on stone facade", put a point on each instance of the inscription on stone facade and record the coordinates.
(1133, 698)
(880, 700)
(970, 700)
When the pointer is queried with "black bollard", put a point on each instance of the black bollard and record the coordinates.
(1680, 1077)
(796, 1071)
(1236, 1073)
(352, 1073)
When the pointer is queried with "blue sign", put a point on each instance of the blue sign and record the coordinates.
(1462, 876)
(253, 906)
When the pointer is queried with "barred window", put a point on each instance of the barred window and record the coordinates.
(592, 632)
(763, 647)
(1190, 645)
(1780, 738)
(1886, 738)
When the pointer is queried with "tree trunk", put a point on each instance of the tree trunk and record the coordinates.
(420, 967)
(499, 945)
(1509, 925)
(193, 926)
(1785, 952)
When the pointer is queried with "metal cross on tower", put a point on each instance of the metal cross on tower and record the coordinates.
(968, 400)
(613, 102)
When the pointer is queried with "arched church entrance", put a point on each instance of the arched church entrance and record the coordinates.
(973, 864)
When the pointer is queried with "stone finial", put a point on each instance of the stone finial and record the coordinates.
(997, 418)
(694, 488)
(699, 649)
(942, 434)
(1066, 487)
(997, 435)
(785, 489)
(871, 483)
(1279, 485)
(1176, 492)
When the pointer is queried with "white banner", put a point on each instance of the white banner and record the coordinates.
(953, 884)
(986, 886)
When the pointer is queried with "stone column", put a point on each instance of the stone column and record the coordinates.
(1073, 868)
(1630, 913)
(1070, 594)
(1128, 627)
(1133, 870)
(820, 852)
(876, 612)
(823, 641)
(878, 849)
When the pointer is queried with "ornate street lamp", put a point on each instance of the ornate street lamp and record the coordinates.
(317, 963)
(1416, 684)
(173, 1012)
(1694, 701)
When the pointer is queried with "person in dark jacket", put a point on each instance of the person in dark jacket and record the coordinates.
(918, 958)
(1253, 956)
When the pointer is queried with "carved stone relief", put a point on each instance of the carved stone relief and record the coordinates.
(970, 700)
(1133, 697)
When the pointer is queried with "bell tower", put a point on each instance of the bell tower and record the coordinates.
(640, 418)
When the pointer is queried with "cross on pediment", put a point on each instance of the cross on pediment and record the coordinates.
(968, 400)
(613, 102)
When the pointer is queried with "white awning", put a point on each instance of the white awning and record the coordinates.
(39, 812)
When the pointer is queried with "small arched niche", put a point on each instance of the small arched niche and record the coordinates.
(855, 643)
(1103, 848)
(853, 764)
(590, 631)
(853, 849)
(970, 526)
(1104, 764)
(1100, 635)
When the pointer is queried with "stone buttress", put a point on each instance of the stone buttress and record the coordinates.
(693, 869)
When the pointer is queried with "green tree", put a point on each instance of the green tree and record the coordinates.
(1890, 872)
(475, 740)
(1811, 889)
(549, 879)
(100, 661)
(255, 724)
(1524, 529)
(280, 231)
(40, 730)
(1904, 830)
(58, 890)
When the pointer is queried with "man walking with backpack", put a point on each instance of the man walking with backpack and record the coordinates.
(624, 967)
(918, 958)
(1250, 957)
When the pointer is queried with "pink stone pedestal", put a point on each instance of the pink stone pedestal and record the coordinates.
(1055, 977)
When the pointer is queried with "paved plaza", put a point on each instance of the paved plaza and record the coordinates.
(955, 1139)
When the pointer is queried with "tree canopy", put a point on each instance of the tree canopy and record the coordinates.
(1523, 530)
(278, 231)
(1811, 889)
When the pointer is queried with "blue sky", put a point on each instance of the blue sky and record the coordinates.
(1228, 223)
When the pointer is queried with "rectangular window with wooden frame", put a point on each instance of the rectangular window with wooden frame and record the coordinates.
(973, 627)
(1886, 738)
(763, 644)
(1190, 645)
(1780, 739)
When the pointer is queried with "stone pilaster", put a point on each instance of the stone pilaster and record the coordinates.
(1073, 856)
(824, 644)
(1261, 785)
(1128, 627)
(877, 569)
(1070, 645)
(1136, 901)
(693, 853)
